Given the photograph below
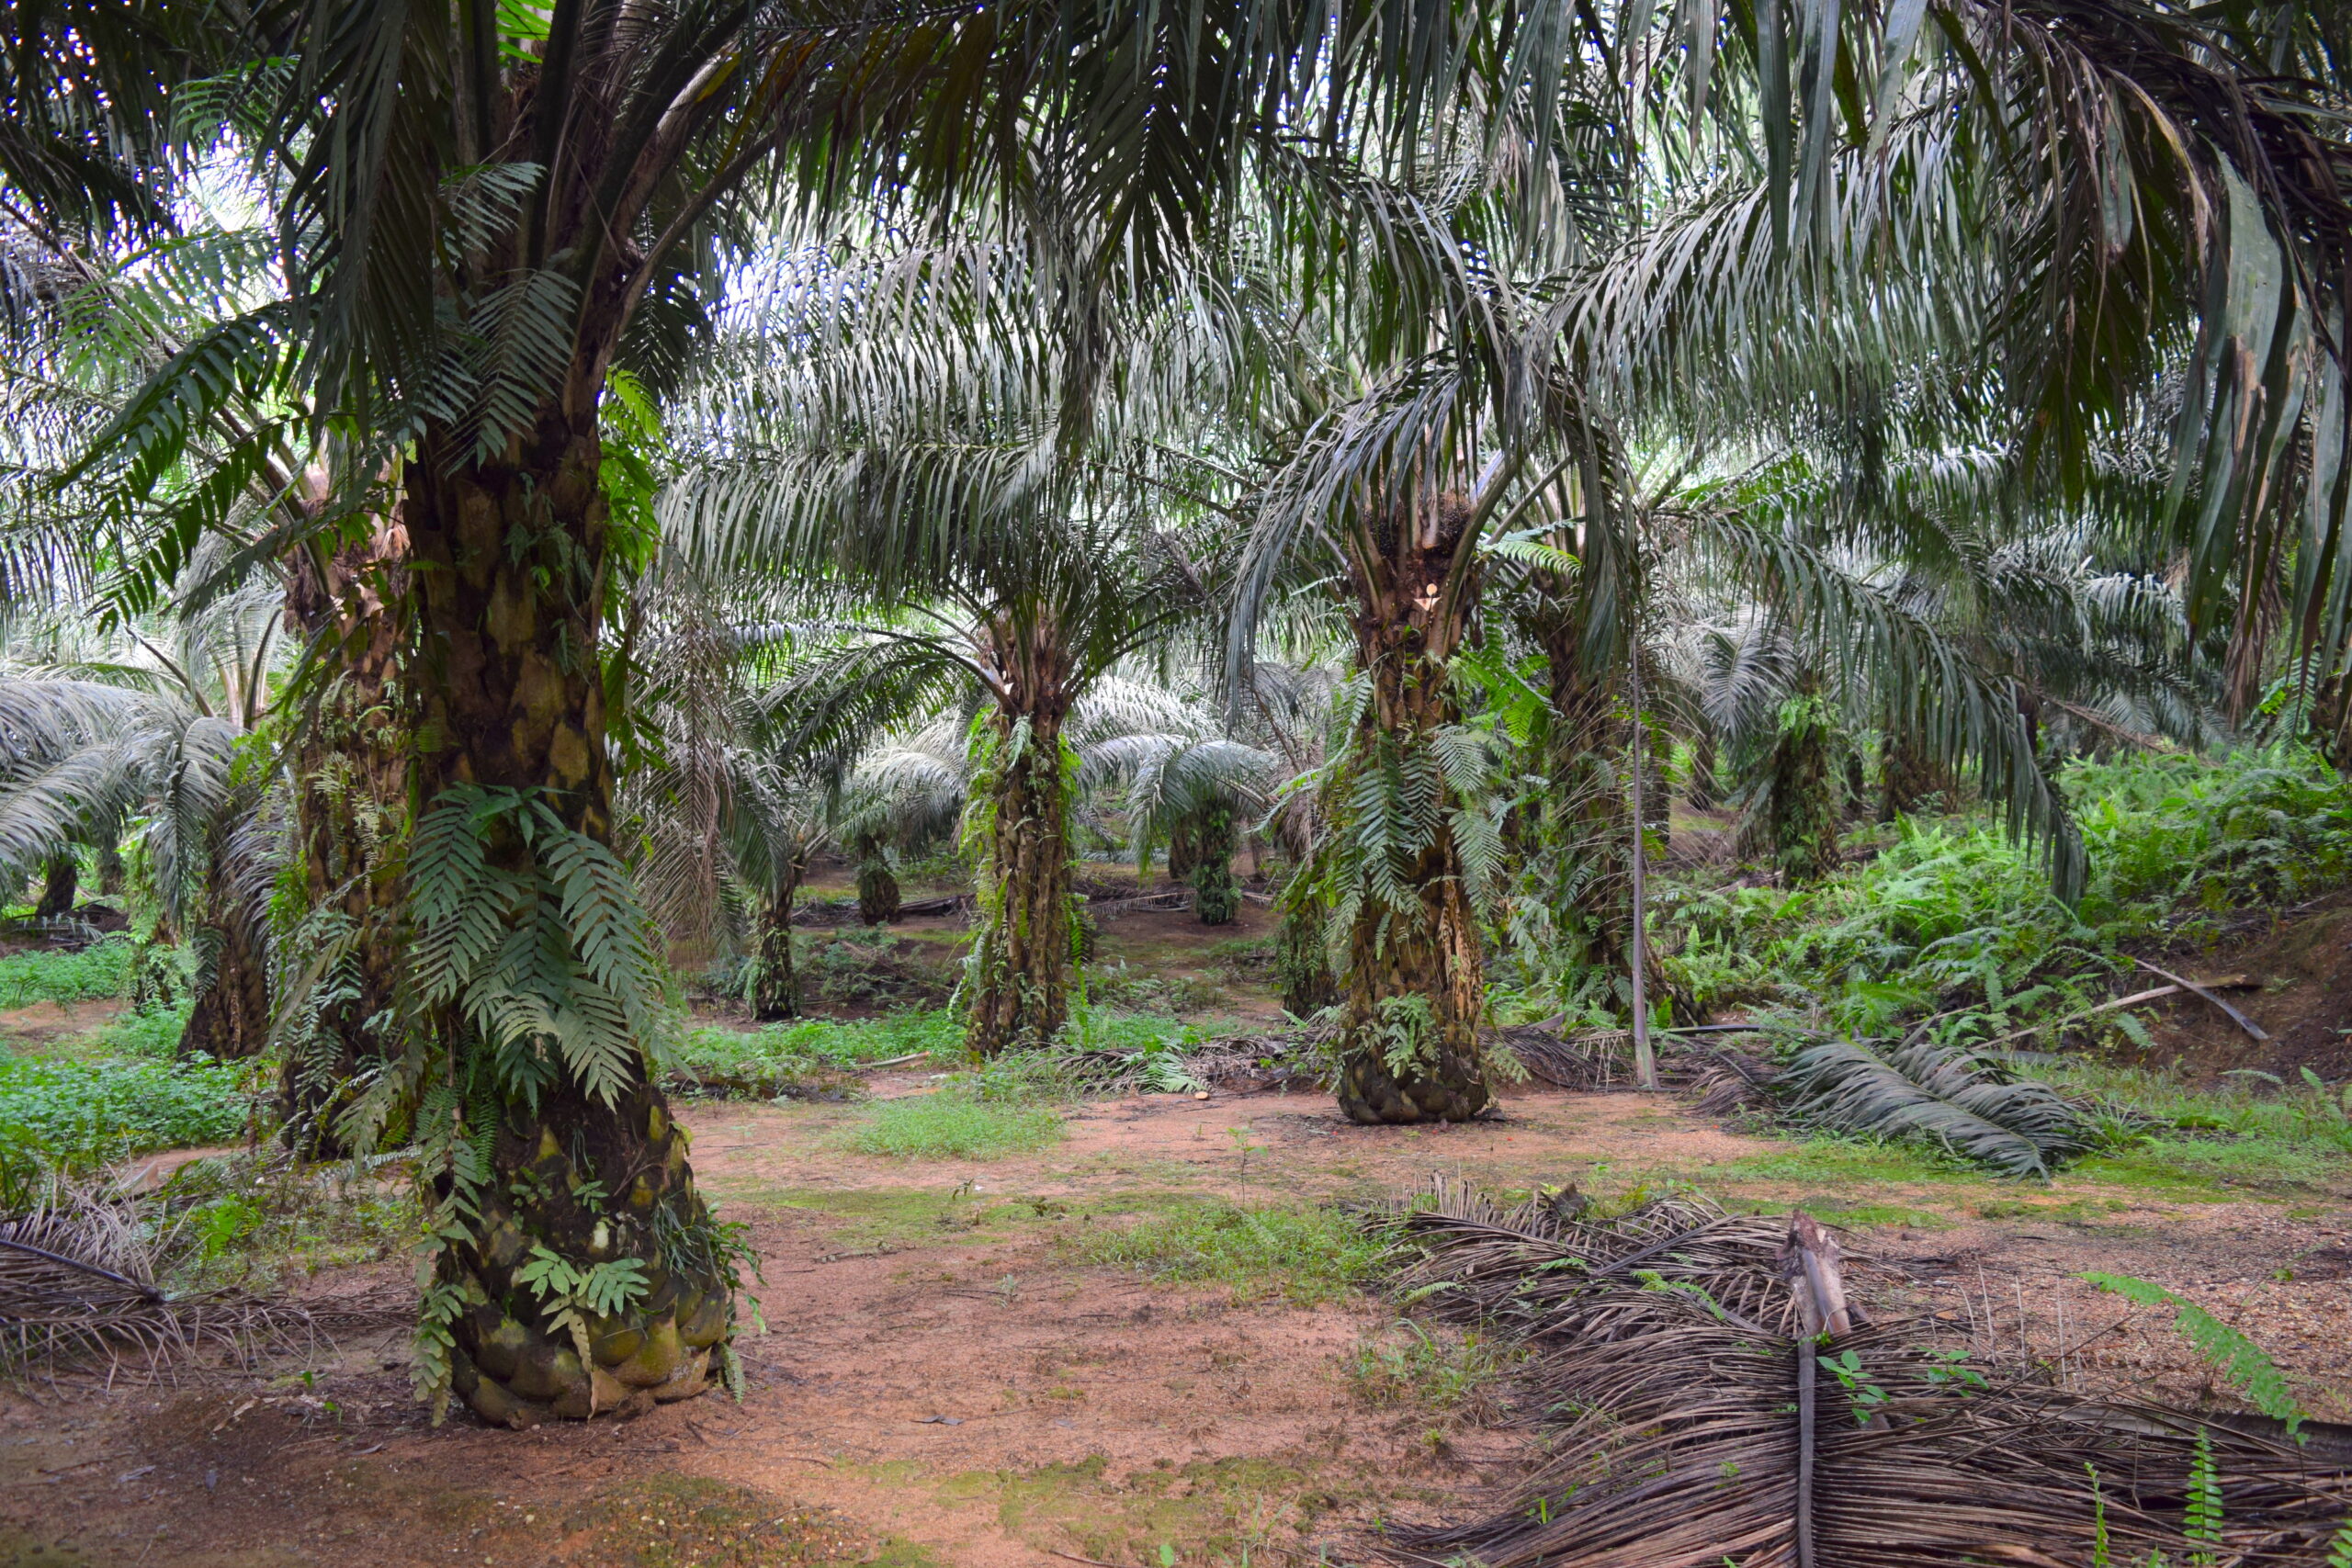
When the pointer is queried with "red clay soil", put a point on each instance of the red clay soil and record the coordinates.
(2301, 966)
(945, 1379)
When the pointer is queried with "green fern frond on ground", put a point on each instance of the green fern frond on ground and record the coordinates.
(2226, 1350)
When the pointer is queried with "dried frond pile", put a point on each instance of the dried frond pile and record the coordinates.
(78, 1285)
(1720, 1401)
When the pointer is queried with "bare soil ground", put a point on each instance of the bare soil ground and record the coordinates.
(944, 1381)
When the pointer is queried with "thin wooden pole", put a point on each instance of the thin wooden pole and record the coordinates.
(1645, 1060)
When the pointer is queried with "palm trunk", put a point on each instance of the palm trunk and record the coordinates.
(1017, 988)
(877, 889)
(776, 989)
(110, 872)
(1806, 809)
(510, 566)
(1302, 956)
(60, 881)
(231, 1019)
(1586, 828)
(1415, 985)
(1216, 897)
(351, 781)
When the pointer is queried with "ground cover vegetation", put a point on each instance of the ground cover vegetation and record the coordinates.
(561, 562)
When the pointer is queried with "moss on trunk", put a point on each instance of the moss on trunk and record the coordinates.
(1017, 986)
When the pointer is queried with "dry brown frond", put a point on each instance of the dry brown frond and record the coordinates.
(79, 1289)
(1667, 1350)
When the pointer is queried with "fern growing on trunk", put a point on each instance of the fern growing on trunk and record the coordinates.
(574, 1268)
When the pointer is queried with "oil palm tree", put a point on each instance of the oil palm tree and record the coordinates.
(912, 466)
(481, 209)
(142, 736)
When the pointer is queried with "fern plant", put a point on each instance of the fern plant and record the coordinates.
(2224, 1348)
(533, 1005)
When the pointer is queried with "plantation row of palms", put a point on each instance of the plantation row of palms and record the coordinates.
(603, 452)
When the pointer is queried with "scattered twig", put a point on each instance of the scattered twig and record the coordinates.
(2252, 1028)
(893, 1062)
(1074, 1557)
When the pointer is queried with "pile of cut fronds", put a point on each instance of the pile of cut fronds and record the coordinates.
(80, 1283)
(1717, 1399)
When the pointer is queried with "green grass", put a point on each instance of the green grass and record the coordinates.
(98, 972)
(952, 1124)
(76, 1115)
(2250, 1134)
(2200, 1164)
(1304, 1255)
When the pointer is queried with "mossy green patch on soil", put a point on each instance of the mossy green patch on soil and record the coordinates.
(681, 1522)
(1305, 1256)
(1844, 1161)
(894, 1219)
(18, 1550)
(1212, 1512)
(1843, 1212)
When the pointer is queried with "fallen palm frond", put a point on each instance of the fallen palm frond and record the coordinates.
(78, 1284)
(2016, 1126)
(1523, 1268)
(1717, 1403)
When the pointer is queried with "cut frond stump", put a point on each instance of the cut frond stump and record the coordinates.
(1672, 1347)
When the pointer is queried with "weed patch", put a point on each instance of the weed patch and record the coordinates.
(1442, 1374)
(251, 1220)
(77, 1115)
(1305, 1256)
(952, 1124)
(826, 1041)
(100, 971)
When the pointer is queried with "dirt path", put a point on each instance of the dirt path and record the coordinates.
(944, 1381)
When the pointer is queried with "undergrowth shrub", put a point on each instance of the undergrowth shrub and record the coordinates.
(834, 1043)
(1958, 917)
(77, 1115)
